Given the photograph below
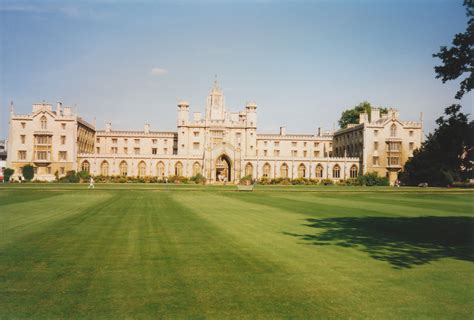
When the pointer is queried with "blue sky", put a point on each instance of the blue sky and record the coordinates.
(302, 62)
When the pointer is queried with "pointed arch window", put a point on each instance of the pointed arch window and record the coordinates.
(178, 169)
(319, 171)
(104, 168)
(249, 169)
(44, 123)
(301, 171)
(123, 168)
(284, 171)
(160, 169)
(196, 168)
(141, 169)
(393, 130)
(353, 172)
(86, 167)
(266, 170)
(336, 172)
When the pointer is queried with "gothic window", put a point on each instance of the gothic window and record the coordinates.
(123, 169)
(160, 169)
(353, 172)
(196, 168)
(178, 169)
(393, 130)
(104, 168)
(44, 123)
(301, 171)
(141, 169)
(266, 170)
(336, 171)
(319, 171)
(85, 166)
(248, 169)
(284, 171)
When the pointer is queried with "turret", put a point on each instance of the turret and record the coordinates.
(183, 112)
(251, 110)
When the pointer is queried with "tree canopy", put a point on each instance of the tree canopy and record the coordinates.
(28, 172)
(446, 156)
(352, 115)
(459, 59)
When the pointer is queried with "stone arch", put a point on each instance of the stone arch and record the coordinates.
(353, 171)
(249, 169)
(319, 171)
(284, 171)
(123, 168)
(86, 166)
(196, 168)
(336, 171)
(301, 171)
(104, 168)
(178, 169)
(160, 169)
(141, 169)
(266, 170)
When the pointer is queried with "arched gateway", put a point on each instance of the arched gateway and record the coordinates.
(223, 168)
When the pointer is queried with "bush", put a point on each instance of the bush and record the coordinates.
(198, 179)
(70, 177)
(28, 172)
(299, 181)
(83, 175)
(372, 179)
(7, 173)
(246, 180)
(264, 181)
(178, 179)
(327, 182)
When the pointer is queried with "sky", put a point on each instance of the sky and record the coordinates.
(302, 62)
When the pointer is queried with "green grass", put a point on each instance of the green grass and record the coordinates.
(155, 251)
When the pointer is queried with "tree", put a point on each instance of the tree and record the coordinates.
(459, 59)
(352, 115)
(446, 156)
(28, 172)
(7, 173)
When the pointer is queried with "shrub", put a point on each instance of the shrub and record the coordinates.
(7, 173)
(28, 172)
(83, 175)
(70, 177)
(327, 182)
(198, 179)
(372, 179)
(264, 181)
(178, 179)
(299, 181)
(246, 180)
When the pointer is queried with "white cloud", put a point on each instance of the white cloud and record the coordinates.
(158, 71)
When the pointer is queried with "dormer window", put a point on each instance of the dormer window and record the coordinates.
(44, 123)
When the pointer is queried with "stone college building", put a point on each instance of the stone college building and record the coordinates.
(219, 144)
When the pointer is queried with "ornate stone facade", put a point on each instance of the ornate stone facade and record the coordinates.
(220, 145)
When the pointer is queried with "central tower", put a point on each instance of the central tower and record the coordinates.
(215, 107)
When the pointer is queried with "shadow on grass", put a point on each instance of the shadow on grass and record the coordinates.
(402, 242)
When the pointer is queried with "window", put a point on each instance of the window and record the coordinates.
(294, 153)
(393, 130)
(376, 133)
(114, 150)
(23, 125)
(266, 170)
(141, 169)
(137, 141)
(316, 144)
(165, 150)
(265, 153)
(104, 168)
(304, 144)
(196, 145)
(316, 153)
(123, 167)
(63, 140)
(154, 150)
(301, 171)
(411, 146)
(178, 169)
(284, 171)
(277, 143)
(125, 150)
(43, 140)
(305, 153)
(114, 141)
(136, 150)
(276, 153)
(196, 168)
(265, 143)
(97, 150)
(22, 138)
(85, 166)
(63, 126)
(165, 141)
(353, 171)
(160, 169)
(61, 170)
(154, 141)
(376, 145)
(22, 155)
(375, 161)
(44, 123)
(336, 171)
(319, 171)
(98, 140)
(394, 146)
(62, 155)
(41, 155)
(48, 170)
(410, 133)
(196, 134)
(393, 161)
(249, 169)
(125, 140)
(294, 143)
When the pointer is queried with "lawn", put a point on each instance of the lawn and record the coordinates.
(149, 251)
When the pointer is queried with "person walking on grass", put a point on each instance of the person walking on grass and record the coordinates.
(91, 183)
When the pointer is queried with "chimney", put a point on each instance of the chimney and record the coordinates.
(282, 131)
(374, 114)
(319, 131)
(147, 128)
(59, 107)
(108, 127)
(363, 118)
